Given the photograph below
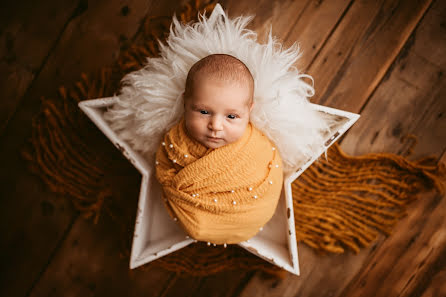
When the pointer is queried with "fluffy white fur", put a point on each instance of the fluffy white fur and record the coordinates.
(151, 100)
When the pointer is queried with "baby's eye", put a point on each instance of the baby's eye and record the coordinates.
(232, 116)
(204, 112)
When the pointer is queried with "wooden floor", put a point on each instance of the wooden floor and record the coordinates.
(383, 59)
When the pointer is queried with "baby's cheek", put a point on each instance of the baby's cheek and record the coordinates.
(237, 132)
(199, 127)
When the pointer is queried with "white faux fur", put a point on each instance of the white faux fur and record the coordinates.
(151, 100)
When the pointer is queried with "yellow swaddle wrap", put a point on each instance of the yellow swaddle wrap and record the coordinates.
(222, 195)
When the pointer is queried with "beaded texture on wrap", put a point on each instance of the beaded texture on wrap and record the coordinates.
(222, 195)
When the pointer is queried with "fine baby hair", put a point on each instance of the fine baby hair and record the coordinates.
(221, 67)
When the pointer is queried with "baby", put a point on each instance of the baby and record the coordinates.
(218, 100)
(221, 177)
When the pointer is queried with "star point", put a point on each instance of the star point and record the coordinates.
(282, 247)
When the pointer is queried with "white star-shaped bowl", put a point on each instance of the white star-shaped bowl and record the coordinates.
(157, 235)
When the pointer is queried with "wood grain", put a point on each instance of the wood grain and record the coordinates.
(406, 261)
(314, 26)
(26, 40)
(410, 100)
(361, 49)
(222, 284)
(416, 249)
(88, 264)
(364, 56)
(34, 221)
(309, 23)
(279, 16)
(328, 275)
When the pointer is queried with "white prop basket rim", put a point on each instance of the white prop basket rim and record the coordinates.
(276, 243)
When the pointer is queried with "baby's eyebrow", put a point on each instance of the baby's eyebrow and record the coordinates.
(232, 111)
(204, 107)
(194, 106)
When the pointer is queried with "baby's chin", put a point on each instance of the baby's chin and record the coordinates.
(213, 144)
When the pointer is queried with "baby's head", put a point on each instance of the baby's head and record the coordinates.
(218, 99)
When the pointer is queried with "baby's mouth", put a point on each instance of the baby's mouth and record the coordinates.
(211, 138)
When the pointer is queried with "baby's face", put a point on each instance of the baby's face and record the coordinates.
(218, 112)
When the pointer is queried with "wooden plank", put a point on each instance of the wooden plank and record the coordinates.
(307, 22)
(401, 107)
(407, 102)
(183, 286)
(92, 40)
(35, 221)
(413, 258)
(438, 287)
(280, 15)
(434, 31)
(437, 275)
(361, 49)
(88, 264)
(314, 26)
(328, 275)
(321, 275)
(222, 284)
(24, 45)
(407, 261)
(26, 204)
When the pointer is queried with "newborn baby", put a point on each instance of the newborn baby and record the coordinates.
(221, 177)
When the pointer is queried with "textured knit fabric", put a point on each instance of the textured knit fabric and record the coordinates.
(222, 195)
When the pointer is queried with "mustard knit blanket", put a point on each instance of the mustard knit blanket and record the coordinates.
(223, 195)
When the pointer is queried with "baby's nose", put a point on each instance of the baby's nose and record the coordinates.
(215, 124)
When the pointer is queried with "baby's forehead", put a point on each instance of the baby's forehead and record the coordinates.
(204, 80)
(224, 69)
(235, 72)
(231, 99)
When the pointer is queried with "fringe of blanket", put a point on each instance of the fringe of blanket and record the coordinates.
(341, 203)
(346, 202)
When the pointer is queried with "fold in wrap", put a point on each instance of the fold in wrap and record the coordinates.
(222, 195)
